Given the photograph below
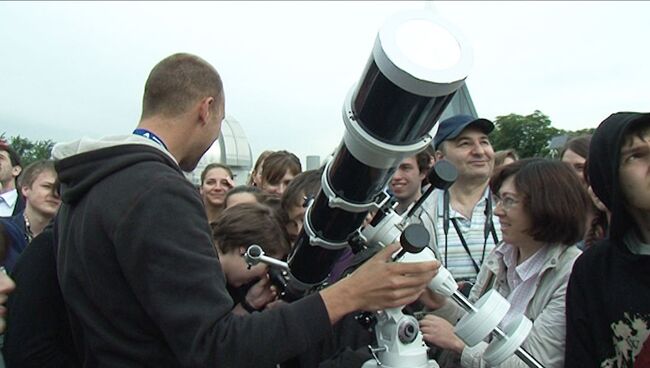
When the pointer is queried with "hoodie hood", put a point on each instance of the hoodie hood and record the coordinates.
(82, 164)
(604, 160)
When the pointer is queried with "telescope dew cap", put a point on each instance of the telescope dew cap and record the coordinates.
(452, 127)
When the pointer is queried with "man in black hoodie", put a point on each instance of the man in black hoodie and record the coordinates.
(136, 264)
(608, 298)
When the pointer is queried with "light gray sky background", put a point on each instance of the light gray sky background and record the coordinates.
(73, 69)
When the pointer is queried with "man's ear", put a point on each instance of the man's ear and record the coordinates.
(16, 170)
(206, 107)
(438, 155)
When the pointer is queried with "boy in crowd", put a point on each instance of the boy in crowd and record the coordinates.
(608, 298)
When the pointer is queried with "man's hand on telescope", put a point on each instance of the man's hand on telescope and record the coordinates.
(258, 297)
(378, 284)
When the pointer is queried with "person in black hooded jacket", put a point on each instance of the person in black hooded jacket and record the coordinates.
(608, 297)
(38, 332)
(136, 264)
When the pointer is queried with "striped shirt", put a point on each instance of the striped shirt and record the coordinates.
(458, 261)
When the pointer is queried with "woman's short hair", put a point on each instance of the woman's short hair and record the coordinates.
(579, 145)
(215, 165)
(556, 200)
(277, 164)
(247, 224)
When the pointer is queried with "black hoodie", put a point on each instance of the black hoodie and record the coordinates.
(608, 298)
(140, 275)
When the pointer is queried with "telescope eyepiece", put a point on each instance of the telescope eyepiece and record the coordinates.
(253, 255)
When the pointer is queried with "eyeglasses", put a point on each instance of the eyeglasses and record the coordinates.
(507, 202)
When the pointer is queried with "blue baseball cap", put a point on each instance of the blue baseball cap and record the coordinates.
(452, 127)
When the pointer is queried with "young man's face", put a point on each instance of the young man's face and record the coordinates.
(471, 153)
(634, 171)
(296, 214)
(577, 163)
(40, 195)
(8, 172)
(407, 180)
(236, 269)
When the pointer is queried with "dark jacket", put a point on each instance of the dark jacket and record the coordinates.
(608, 298)
(140, 274)
(20, 204)
(38, 333)
(18, 240)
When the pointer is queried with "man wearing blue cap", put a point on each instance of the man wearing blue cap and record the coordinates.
(465, 228)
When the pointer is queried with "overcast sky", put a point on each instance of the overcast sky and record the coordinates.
(76, 69)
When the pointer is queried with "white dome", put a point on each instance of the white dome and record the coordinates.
(231, 148)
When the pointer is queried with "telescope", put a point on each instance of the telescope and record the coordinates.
(399, 343)
(417, 64)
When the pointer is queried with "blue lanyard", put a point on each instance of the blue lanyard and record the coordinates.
(150, 135)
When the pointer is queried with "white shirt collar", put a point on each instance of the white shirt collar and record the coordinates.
(8, 202)
(528, 268)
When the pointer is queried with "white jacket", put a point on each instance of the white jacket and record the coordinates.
(546, 309)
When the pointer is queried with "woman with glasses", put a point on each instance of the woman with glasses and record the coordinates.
(541, 206)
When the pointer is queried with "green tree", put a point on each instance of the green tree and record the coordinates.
(576, 133)
(30, 151)
(529, 134)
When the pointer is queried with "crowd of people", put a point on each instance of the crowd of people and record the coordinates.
(111, 257)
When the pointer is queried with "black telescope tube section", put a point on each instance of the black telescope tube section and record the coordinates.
(387, 113)
(392, 114)
(355, 181)
(311, 264)
(333, 224)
